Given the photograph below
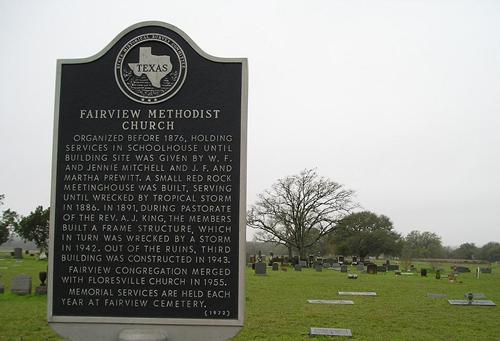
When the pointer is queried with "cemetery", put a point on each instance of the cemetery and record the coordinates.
(298, 305)
(163, 256)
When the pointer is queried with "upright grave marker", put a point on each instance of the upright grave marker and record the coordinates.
(149, 185)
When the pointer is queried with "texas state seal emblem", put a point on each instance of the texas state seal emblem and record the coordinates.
(150, 68)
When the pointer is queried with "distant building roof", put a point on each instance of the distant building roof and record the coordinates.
(17, 242)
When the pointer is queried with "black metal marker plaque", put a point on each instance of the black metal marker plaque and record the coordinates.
(149, 183)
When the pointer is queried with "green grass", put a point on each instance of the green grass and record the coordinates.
(277, 308)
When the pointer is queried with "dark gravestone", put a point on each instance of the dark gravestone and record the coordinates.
(260, 268)
(149, 175)
(381, 268)
(21, 285)
(275, 266)
(371, 269)
(475, 295)
(2, 288)
(336, 266)
(318, 267)
(298, 267)
(42, 288)
(392, 267)
(327, 265)
(423, 272)
(303, 263)
(360, 266)
(462, 269)
(486, 270)
(341, 259)
(343, 268)
(18, 253)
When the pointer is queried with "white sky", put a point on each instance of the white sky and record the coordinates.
(398, 100)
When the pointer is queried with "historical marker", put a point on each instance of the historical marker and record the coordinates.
(148, 189)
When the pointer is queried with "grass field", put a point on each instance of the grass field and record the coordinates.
(277, 308)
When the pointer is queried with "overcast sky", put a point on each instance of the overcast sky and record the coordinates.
(397, 100)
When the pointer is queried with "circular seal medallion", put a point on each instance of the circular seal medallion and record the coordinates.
(150, 68)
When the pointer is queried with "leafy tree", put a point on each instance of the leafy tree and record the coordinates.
(422, 245)
(490, 252)
(299, 210)
(35, 227)
(366, 233)
(466, 251)
(7, 221)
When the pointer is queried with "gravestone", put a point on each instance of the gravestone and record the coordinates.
(462, 269)
(2, 288)
(303, 263)
(486, 303)
(336, 266)
(436, 295)
(476, 295)
(381, 268)
(330, 302)
(149, 190)
(275, 266)
(360, 267)
(357, 293)
(423, 272)
(298, 267)
(260, 268)
(486, 270)
(18, 253)
(327, 265)
(343, 268)
(330, 332)
(392, 267)
(21, 285)
(42, 288)
(318, 267)
(341, 259)
(371, 269)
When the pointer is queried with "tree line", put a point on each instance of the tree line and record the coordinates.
(33, 227)
(306, 214)
(309, 214)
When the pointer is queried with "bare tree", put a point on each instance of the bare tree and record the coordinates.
(299, 210)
